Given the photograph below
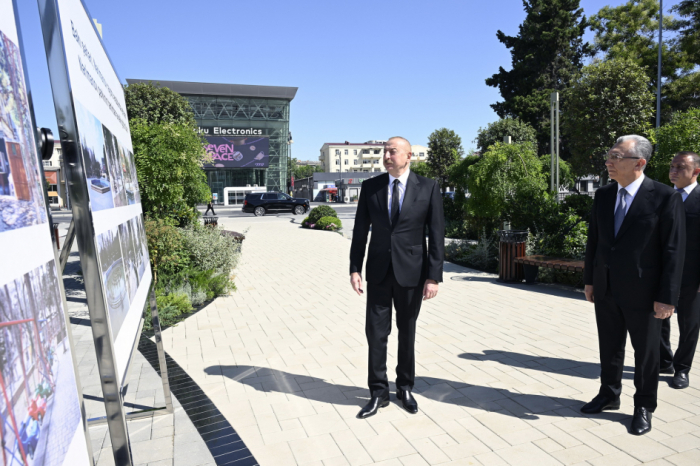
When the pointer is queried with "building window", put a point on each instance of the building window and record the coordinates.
(354, 162)
(354, 152)
(377, 170)
(337, 152)
(365, 151)
(376, 151)
(47, 163)
(346, 162)
(346, 152)
(53, 187)
(422, 154)
(337, 162)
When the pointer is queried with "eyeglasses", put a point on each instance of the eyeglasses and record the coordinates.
(615, 157)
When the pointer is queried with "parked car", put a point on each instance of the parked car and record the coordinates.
(262, 203)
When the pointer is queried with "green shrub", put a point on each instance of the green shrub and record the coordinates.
(480, 256)
(581, 204)
(321, 211)
(329, 223)
(680, 134)
(210, 250)
(166, 248)
(305, 223)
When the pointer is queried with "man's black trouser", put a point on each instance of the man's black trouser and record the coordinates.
(688, 313)
(212, 211)
(407, 302)
(614, 321)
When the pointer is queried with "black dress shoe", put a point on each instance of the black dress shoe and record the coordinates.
(641, 422)
(407, 401)
(666, 370)
(601, 403)
(680, 380)
(373, 406)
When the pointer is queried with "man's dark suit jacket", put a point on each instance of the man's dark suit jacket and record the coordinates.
(402, 245)
(691, 267)
(644, 263)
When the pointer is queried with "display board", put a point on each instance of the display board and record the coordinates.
(40, 404)
(238, 152)
(109, 173)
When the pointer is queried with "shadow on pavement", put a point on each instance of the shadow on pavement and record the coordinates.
(586, 370)
(456, 393)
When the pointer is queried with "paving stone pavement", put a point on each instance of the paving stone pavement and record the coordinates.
(155, 440)
(501, 369)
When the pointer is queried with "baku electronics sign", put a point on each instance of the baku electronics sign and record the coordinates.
(238, 152)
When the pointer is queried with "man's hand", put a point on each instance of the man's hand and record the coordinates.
(588, 290)
(430, 289)
(356, 282)
(663, 311)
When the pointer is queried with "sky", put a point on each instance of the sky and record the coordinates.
(365, 69)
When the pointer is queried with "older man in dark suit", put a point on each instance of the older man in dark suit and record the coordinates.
(402, 269)
(684, 171)
(634, 261)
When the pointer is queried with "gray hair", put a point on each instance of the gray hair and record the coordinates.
(641, 148)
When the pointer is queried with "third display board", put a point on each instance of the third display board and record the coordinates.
(109, 172)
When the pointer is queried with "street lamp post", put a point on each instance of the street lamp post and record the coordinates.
(554, 143)
(658, 76)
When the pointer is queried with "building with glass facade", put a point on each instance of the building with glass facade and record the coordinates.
(237, 110)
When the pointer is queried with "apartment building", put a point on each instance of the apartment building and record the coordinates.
(341, 157)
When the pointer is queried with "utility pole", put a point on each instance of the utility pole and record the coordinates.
(658, 78)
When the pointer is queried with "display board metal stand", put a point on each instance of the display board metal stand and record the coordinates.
(167, 394)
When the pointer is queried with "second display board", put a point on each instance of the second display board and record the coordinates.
(108, 172)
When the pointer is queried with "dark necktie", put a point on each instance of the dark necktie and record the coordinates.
(621, 209)
(395, 203)
(681, 191)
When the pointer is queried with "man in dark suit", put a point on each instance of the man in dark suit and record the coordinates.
(400, 206)
(634, 261)
(685, 168)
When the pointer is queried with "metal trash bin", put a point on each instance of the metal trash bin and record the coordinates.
(211, 221)
(512, 245)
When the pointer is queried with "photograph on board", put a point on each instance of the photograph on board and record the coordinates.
(143, 243)
(115, 168)
(128, 173)
(39, 406)
(113, 274)
(126, 237)
(94, 159)
(21, 195)
(140, 249)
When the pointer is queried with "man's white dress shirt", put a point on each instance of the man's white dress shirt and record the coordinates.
(632, 190)
(687, 190)
(402, 189)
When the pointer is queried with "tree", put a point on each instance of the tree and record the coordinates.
(546, 55)
(444, 150)
(422, 169)
(681, 134)
(154, 104)
(689, 28)
(506, 179)
(630, 32)
(609, 99)
(518, 130)
(169, 160)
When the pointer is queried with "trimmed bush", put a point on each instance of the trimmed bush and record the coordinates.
(210, 250)
(329, 223)
(166, 248)
(321, 211)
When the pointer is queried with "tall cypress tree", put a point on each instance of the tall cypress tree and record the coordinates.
(546, 55)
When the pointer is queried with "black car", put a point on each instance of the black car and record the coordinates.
(262, 203)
